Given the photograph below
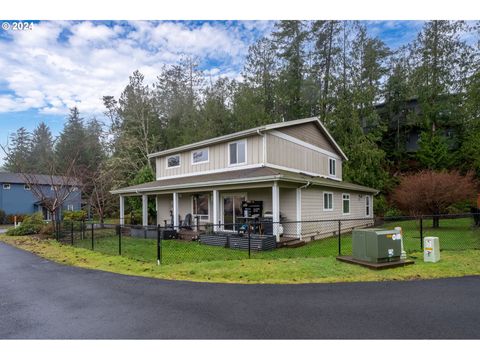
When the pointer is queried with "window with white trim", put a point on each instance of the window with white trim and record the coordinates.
(173, 161)
(27, 187)
(332, 163)
(327, 201)
(70, 207)
(6, 186)
(346, 204)
(237, 152)
(367, 205)
(200, 203)
(200, 156)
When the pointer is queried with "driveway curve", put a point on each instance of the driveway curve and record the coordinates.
(41, 299)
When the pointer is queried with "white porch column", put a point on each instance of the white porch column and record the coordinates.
(157, 207)
(175, 210)
(276, 209)
(216, 209)
(122, 210)
(299, 212)
(145, 210)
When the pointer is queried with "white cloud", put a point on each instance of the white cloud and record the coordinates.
(61, 64)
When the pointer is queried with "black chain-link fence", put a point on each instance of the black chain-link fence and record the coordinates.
(256, 240)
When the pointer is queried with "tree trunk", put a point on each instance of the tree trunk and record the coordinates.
(436, 221)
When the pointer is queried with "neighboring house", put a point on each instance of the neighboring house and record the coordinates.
(293, 170)
(16, 197)
(404, 125)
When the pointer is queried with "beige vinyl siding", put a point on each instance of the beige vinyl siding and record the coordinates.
(310, 133)
(285, 153)
(218, 159)
(312, 209)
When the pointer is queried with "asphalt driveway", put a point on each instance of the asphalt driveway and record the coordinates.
(42, 299)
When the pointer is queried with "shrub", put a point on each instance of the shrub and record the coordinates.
(47, 229)
(432, 193)
(77, 215)
(3, 217)
(30, 225)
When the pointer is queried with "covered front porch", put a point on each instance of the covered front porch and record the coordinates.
(270, 208)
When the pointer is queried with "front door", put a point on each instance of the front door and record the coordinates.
(232, 209)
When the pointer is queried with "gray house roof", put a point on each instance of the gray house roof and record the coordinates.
(17, 178)
(252, 131)
(253, 175)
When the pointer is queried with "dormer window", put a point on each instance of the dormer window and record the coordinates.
(237, 152)
(173, 161)
(332, 164)
(200, 156)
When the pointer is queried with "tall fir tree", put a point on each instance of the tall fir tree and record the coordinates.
(289, 39)
(18, 152)
(42, 154)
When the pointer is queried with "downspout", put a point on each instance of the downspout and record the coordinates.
(305, 186)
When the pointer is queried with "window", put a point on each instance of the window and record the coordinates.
(327, 201)
(70, 207)
(367, 205)
(173, 161)
(6, 186)
(26, 187)
(346, 204)
(332, 167)
(200, 156)
(237, 152)
(200, 206)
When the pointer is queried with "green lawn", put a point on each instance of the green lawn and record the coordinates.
(297, 270)
(455, 234)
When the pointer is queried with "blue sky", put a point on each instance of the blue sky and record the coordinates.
(60, 64)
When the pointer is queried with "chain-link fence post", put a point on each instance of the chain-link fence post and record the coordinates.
(93, 237)
(421, 232)
(119, 239)
(339, 238)
(71, 232)
(249, 239)
(159, 245)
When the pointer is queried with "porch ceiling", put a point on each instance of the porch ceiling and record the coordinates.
(237, 177)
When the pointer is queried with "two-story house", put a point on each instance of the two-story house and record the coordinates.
(17, 197)
(292, 169)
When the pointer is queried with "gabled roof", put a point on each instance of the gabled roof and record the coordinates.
(17, 178)
(252, 175)
(248, 132)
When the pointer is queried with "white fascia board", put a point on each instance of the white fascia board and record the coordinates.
(198, 184)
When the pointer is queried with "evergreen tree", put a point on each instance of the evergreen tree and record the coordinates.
(289, 38)
(259, 87)
(71, 144)
(42, 154)
(442, 63)
(18, 153)
(434, 152)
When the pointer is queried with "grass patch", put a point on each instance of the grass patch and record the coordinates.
(256, 270)
(455, 234)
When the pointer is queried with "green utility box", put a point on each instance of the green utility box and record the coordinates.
(376, 245)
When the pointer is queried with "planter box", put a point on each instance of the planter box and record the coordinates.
(214, 239)
(257, 242)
